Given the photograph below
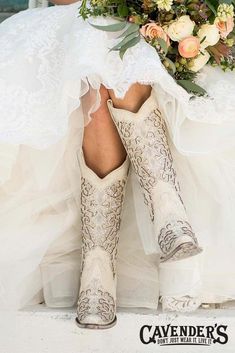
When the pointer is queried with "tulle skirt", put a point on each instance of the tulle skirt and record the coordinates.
(52, 64)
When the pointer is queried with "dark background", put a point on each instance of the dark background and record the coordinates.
(9, 7)
(13, 5)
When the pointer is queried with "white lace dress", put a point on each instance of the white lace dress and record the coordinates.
(51, 61)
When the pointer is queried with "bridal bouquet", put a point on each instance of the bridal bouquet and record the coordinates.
(187, 34)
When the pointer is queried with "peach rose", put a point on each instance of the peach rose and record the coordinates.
(224, 27)
(152, 30)
(189, 47)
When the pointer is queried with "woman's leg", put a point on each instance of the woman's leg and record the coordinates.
(104, 167)
(144, 134)
(134, 98)
(102, 145)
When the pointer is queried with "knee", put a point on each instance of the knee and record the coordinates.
(104, 94)
(102, 115)
(134, 97)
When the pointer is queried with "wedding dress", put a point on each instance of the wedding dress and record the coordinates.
(52, 64)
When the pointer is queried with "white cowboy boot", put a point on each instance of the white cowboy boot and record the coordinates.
(101, 206)
(144, 137)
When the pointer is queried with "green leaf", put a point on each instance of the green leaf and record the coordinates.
(128, 45)
(111, 28)
(131, 28)
(211, 6)
(125, 41)
(131, 43)
(122, 52)
(123, 10)
(191, 87)
(203, 39)
(211, 19)
(163, 45)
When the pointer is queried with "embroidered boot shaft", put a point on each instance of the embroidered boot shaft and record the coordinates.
(101, 207)
(144, 136)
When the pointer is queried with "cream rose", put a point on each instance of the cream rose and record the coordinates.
(224, 27)
(199, 61)
(210, 33)
(189, 47)
(152, 30)
(181, 28)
